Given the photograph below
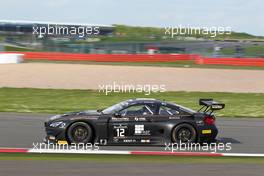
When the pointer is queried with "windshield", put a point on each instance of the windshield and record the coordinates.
(114, 108)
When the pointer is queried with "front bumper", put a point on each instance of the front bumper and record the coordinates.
(54, 135)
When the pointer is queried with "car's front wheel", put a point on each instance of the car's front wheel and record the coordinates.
(80, 132)
(184, 133)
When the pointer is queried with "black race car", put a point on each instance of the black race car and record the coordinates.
(136, 122)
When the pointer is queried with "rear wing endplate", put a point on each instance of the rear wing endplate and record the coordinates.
(209, 105)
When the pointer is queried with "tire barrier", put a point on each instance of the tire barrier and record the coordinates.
(256, 62)
(108, 57)
(58, 56)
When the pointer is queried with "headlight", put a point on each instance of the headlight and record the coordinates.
(58, 124)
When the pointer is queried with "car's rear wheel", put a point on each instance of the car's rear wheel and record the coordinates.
(184, 133)
(80, 132)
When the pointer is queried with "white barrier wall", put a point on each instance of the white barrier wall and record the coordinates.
(11, 58)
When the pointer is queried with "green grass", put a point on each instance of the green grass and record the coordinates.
(13, 48)
(60, 101)
(179, 64)
(134, 159)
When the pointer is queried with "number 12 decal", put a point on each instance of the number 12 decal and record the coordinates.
(120, 132)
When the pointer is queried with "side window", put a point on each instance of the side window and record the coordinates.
(164, 110)
(137, 110)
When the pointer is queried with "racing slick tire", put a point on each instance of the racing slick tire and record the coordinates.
(80, 132)
(184, 133)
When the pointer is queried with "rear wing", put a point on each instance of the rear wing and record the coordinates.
(209, 105)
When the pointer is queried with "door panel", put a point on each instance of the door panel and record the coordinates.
(137, 130)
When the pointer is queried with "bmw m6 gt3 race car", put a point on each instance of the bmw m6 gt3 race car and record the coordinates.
(136, 122)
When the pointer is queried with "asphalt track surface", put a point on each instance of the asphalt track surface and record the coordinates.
(20, 130)
(84, 168)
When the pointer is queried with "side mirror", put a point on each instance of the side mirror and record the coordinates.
(99, 110)
(117, 114)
